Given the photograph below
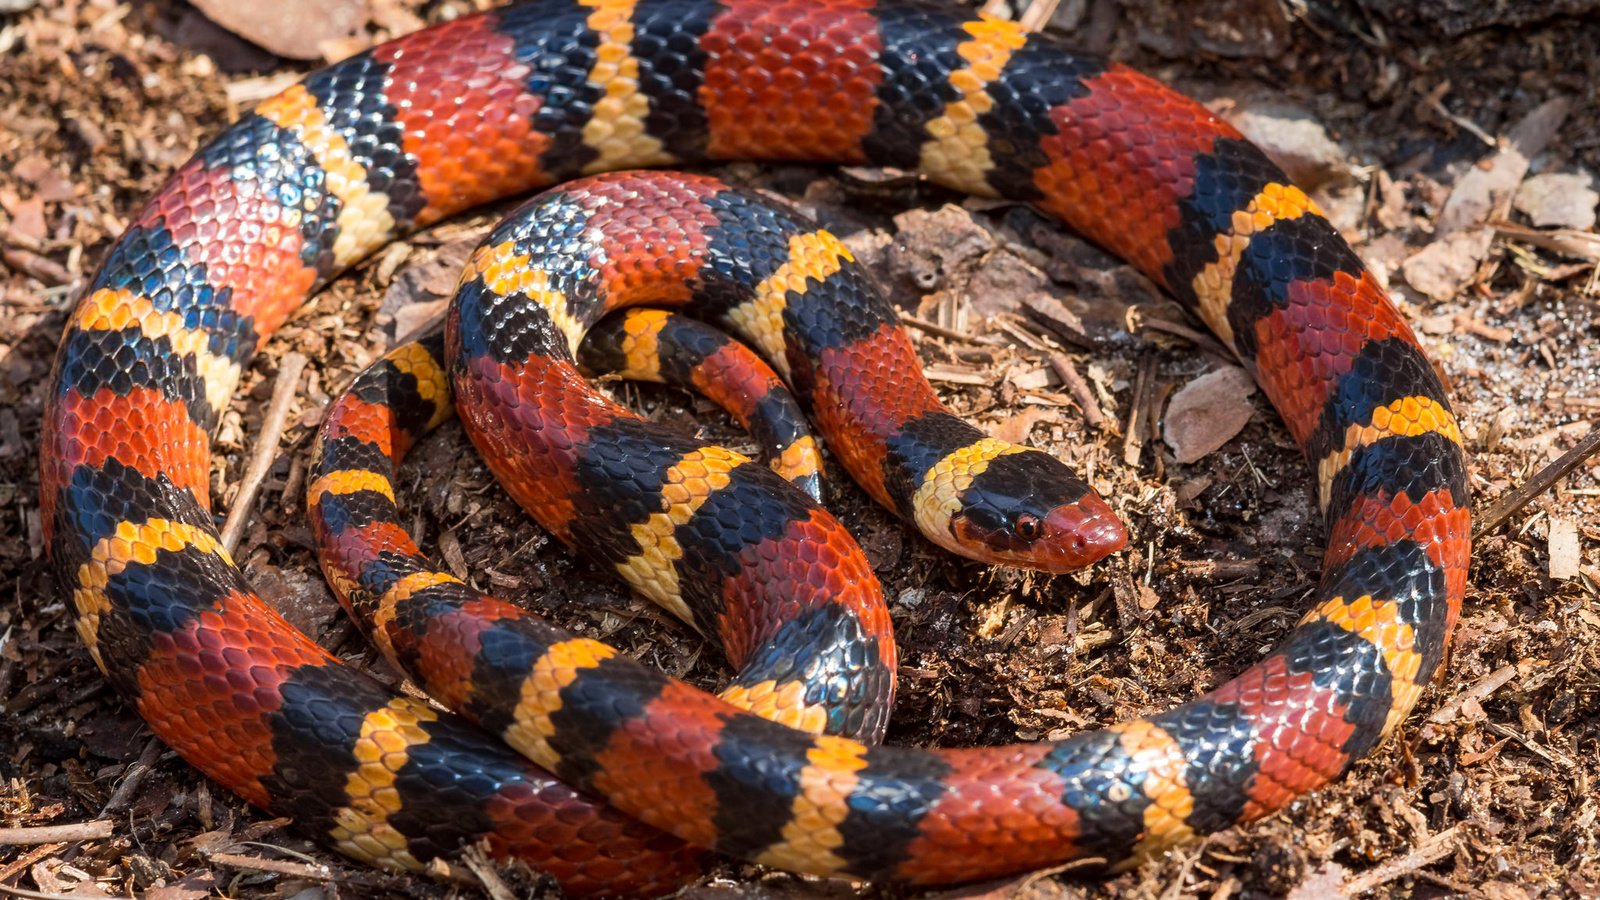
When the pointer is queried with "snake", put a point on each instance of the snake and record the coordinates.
(622, 777)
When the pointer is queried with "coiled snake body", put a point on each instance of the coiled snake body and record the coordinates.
(414, 130)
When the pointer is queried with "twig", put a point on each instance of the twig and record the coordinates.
(1548, 754)
(1220, 569)
(1192, 856)
(1200, 339)
(1017, 333)
(1568, 241)
(1480, 691)
(266, 448)
(41, 267)
(1507, 506)
(1426, 853)
(1133, 437)
(21, 241)
(12, 891)
(135, 775)
(1051, 315)
(1038, 875)
(312, 871)
(1435, 102)
(477, 862)
(1079, 389)
(51, 834)
(931, 328)
(1038, 14)
(1031, 16)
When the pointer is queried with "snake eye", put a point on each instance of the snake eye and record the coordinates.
(1028, 527)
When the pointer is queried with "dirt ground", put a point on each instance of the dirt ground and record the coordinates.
(1491, 788)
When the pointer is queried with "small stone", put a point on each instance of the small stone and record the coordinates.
(1295, 140)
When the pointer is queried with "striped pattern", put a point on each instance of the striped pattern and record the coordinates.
(364, 221)
(1214, 285)
(617, 129)
(668, 348)
(957, 151)
(383, 747)
(937, 498)
(686, 487)
(418, 129)
(812, 258)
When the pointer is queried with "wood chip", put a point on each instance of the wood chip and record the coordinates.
(1081, 393)
(49, 834)
(1565, 554)
(1446, 266)
(250, 91)
(951, 374)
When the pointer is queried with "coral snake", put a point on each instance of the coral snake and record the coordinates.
(635, 770)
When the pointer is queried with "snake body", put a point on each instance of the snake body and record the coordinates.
(415, 130)
(670, 348)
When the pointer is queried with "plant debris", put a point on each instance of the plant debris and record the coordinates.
(1421, 125)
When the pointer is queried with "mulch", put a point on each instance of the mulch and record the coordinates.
(1489, 788)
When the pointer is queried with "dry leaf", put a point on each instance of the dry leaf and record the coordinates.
(297, 29)
(1015, 429)
(1559, 200)
(1207, 412)
(1327, 881)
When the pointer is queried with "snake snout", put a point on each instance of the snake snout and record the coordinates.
(1083, 533)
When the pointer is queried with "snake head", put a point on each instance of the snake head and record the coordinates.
(1022, 507)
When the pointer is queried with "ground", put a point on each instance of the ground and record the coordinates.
(1489, 786)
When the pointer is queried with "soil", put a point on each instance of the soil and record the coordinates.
(1489, 788)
